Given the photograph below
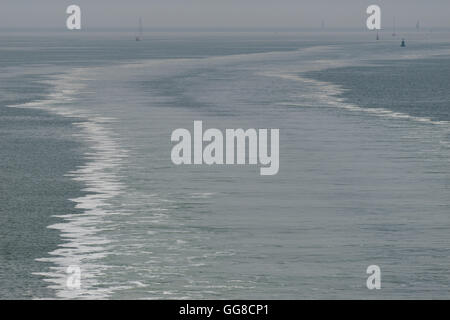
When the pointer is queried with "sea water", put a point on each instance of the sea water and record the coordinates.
(87, 179)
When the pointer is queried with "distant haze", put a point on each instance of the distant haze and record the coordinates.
(222, 13)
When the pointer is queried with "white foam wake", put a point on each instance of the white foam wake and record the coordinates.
(328, 94)
(84, 245)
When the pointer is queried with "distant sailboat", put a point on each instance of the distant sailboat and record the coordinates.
(139, 36)
(418, 26)
(403, 43)
(378, 36)
(394, 27)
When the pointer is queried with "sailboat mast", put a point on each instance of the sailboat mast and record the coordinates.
(139, 35)
(394, 28)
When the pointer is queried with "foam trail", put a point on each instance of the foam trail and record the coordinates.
(327, 94)
(83, 244)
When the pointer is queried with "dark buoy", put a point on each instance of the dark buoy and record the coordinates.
(403, 43)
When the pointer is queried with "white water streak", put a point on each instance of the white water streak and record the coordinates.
(83, 245)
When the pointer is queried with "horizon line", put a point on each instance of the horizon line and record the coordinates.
(181, 28)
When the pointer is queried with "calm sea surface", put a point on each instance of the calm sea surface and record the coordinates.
(86, 177)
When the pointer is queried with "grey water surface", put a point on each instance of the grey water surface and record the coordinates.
(86, 177)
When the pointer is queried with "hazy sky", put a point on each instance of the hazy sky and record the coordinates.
(222, 13)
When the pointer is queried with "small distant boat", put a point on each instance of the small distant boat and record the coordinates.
(378, 36)
(403, 43)
(393, 32)
(139, 36)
